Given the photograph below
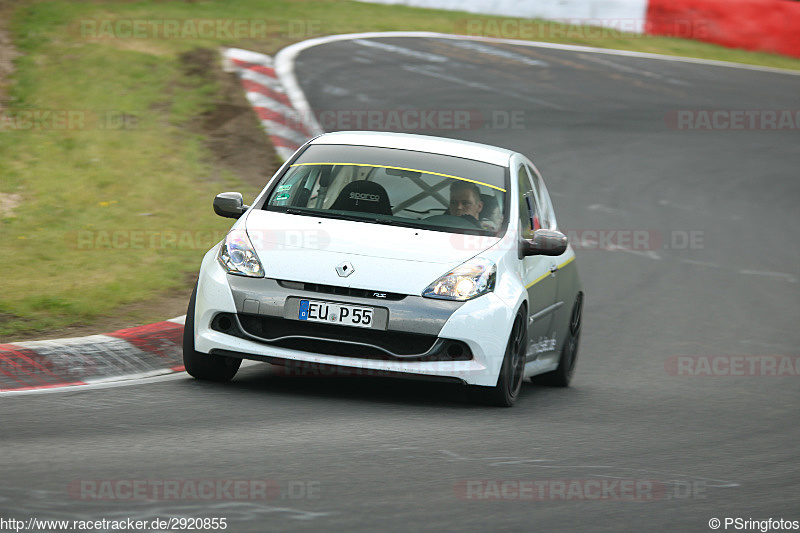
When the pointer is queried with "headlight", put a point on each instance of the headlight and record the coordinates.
(237, 255)
(470, 280)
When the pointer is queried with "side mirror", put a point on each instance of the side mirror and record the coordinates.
(230, 205)
(544, 242)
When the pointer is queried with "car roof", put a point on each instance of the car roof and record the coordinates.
(420, 143)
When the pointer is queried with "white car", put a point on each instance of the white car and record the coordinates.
(393, 254)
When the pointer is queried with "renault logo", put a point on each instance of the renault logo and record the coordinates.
(345, 269)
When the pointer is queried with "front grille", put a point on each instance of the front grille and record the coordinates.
(343, 341)
(342, 291)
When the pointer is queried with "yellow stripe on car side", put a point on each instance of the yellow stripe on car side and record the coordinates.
(540, 278)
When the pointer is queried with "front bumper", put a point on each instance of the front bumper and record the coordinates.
(482, 324)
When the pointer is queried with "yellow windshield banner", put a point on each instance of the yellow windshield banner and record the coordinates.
(407, 169)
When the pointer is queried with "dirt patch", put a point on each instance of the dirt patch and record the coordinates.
(234, 135)
(9, 202)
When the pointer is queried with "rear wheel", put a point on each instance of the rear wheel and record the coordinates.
(561, 376)
(509, 383)
(201, 365)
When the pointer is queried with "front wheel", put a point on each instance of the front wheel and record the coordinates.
(202, 365)
(509, 383)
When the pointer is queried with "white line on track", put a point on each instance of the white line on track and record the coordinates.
(602, 208)
(401, 50)
(633, 70)
(285, 59)
(592, 244)
(696, 210)
(499, 52)
(426, 71)
(776, 275)
(700, 263)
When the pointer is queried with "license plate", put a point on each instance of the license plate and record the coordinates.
(341, 314)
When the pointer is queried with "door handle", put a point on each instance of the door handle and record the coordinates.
(553, 268)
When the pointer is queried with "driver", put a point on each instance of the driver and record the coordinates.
(465, 200)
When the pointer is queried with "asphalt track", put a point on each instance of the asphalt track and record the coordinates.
(391, 454)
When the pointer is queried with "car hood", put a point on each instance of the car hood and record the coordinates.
(383, 258)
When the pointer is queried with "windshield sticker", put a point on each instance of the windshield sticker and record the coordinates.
(406, 169)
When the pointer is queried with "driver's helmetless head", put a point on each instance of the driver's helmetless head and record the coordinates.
(465, 199)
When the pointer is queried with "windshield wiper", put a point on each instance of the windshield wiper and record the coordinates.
(402, 224)
(339, 216)
(322, 214)
(387, 222)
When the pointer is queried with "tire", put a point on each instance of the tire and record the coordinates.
(509, 383)
(202, 365)
(561, 376)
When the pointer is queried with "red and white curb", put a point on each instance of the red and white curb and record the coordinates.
(142, 351)
(287, 127)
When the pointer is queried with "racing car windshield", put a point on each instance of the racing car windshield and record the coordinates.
(395, 187)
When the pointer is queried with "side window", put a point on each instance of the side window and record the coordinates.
(546, 218)
(527, 205)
